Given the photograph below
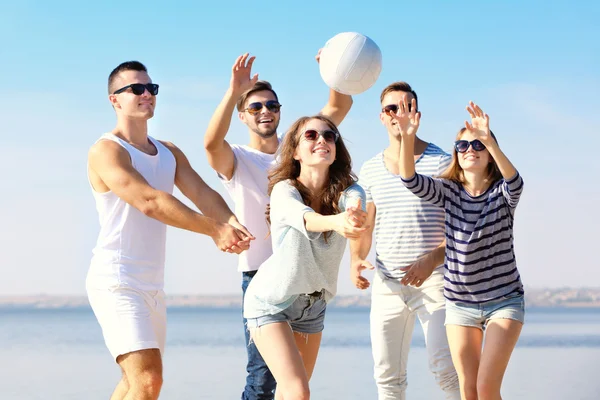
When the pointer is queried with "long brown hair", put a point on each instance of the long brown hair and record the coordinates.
(455, 173)
(287, 168)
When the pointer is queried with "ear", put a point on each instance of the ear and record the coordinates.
(242, 117)
(114, 101)
(382, 117)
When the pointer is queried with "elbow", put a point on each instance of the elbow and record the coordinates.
(149, 209)
(149, 205)
(209, 145)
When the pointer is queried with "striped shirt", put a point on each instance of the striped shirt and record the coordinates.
(480, 260)
(406, 227)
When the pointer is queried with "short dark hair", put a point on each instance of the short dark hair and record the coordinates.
(259, 86)
(398, 87)
(125, 66)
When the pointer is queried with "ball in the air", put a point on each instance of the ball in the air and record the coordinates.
(350, 63)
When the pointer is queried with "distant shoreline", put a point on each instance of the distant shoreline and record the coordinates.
(534, 298)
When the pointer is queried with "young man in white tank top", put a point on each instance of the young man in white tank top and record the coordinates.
(243, 169)
(132, 177)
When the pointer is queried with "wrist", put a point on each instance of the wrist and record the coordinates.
(214, 227)
(492, 146)
(233, 94)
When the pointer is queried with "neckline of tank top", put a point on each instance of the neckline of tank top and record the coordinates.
(151, 140)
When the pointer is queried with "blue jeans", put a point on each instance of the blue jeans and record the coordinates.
(260, 384)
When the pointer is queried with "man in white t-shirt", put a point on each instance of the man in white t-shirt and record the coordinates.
(244, 172)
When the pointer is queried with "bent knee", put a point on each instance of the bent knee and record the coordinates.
(487, 389)
(147, 381)
(295, 391)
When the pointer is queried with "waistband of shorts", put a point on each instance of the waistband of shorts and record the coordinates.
(318, 293)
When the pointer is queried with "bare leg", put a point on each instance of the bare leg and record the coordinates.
(501, 336)
(277, 345)
(465, 346)
(121, 389)
(143, 372)
(308, 346)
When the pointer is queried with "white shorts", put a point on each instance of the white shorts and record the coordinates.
(130, 319)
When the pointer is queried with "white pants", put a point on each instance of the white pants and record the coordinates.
(130, 319)
(393, 310)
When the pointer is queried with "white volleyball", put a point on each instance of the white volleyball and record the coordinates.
(350, 63)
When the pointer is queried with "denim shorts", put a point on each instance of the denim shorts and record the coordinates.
(305, 315)
(511, 306)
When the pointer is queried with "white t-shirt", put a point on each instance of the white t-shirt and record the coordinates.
(248, 189)
(302, 261)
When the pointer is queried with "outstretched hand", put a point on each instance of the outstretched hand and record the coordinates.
(407, 118)
(356, 215)
(480, 124)
(356, 277)
(350, 224)
(240, 74)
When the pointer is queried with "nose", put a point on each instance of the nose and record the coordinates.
(146, 93)
(321, 140)
(470, 149)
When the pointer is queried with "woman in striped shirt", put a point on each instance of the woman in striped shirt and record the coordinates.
(479, 192)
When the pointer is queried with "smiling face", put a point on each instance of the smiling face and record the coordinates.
(315, 152)
(472, 160)
(128, 104)
(265, 122)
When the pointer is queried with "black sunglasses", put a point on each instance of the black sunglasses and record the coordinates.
(393, 108)
(255, 108)
(462, 146)
(330, 136)
(139, 88)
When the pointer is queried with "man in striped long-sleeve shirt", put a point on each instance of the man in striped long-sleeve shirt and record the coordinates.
(409, 244)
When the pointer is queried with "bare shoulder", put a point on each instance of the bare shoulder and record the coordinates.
(105, 150)
(168, 145)
(174, 149)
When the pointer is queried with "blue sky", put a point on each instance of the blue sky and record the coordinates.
(532, 65)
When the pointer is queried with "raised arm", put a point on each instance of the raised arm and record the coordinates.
(112, 165)
(338, 105)
(427, 188)
(408, 124)
(480, 127)
(218, 152)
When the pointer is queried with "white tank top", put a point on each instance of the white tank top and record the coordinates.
(130, 250)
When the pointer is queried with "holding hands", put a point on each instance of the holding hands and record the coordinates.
(351, 223)
(232, 239)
